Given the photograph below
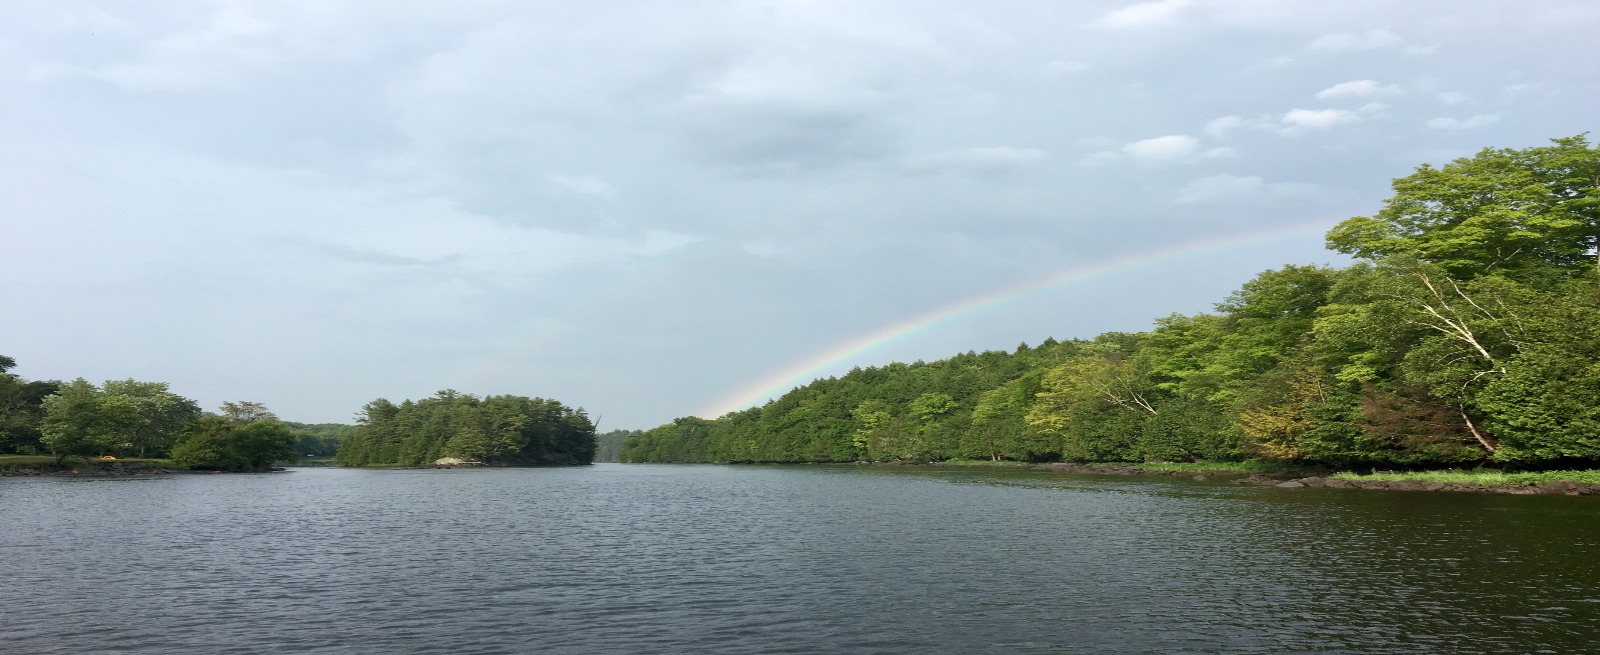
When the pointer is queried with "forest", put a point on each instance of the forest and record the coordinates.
(494, 430)
(146, 422)
(1467, 332)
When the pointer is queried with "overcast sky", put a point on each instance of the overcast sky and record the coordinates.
(646, 209)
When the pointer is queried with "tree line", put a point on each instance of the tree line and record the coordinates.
(494, 430)
(1467, 331)
(133, 419)
(129, 418)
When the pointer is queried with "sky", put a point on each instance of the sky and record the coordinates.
(652, 210)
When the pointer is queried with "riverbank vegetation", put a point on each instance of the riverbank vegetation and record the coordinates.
(1480, 476)
(1466, 334)
(495, 430)
(127, 425)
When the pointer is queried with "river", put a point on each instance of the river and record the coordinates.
(795, 559)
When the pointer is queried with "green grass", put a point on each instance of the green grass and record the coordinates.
(26, 460)
(1223, 467)
(1477, 476)
(1174, 467)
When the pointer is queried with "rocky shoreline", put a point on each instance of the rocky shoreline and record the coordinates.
(1300, 481)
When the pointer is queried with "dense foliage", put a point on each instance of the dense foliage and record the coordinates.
(121, 417)
(496, 430)
(128, 418)
(22, 410)
(318, 439)
(221, 443)
(608, 446)
(1468, 331)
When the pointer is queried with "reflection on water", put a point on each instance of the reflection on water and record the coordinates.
(706, 559)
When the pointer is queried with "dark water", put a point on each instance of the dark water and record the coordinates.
(704, 559)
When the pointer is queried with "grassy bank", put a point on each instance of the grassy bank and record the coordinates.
(1156, 467)
(1279, 470)
(1475, 476)
(1268, 468)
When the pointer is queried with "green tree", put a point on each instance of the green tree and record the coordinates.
(73, 424)
(222, 444)
(260, 444)
(500, 430)
(1530, 213)
(21, 410)
(204, 445)
(144, 418)
(245, 411)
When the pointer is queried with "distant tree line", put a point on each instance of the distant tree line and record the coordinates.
(495, 430)
(608, 446)
(1467, 332)
(318, 439)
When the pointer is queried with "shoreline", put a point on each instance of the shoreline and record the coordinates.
(1311, 479)
(1284, 479)
(108, 470)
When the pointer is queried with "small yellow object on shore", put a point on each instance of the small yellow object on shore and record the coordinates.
(106, 457)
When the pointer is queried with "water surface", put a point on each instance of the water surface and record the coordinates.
(713, 559)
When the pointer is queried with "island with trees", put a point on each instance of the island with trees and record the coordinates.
(1467, 333)
(494, 430)
(128, 426)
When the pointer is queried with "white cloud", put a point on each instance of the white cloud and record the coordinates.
(1448, 123)
(1163, 148)
(1374, 110)
(1319, 119)
(583, 185)
(1451, 97)
(1172, 148)
(1420, 49)
(1241, 189)
(1358, 89)
(1140, 15)
(1342, 42)
(1218, 128)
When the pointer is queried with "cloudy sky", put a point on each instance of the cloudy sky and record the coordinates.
(654, 209)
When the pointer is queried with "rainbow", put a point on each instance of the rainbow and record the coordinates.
(812, 367)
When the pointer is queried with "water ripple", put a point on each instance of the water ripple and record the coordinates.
(684, 559)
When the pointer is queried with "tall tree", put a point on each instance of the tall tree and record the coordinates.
(73, 424)
(145, 417)
(1529, 213)
(246, 411)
